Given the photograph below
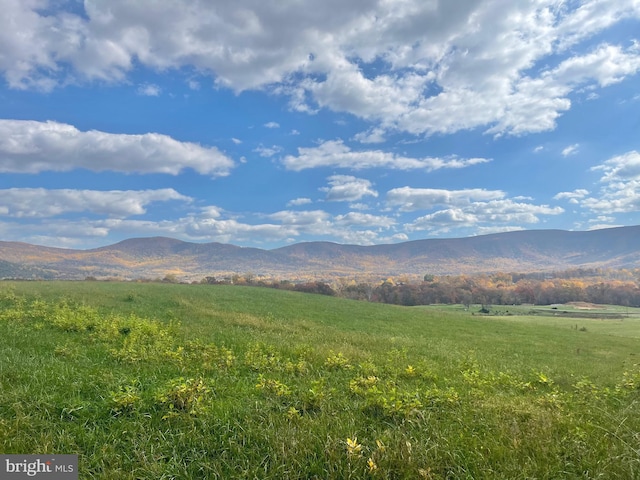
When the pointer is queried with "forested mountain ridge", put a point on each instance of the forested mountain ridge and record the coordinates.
(518, 251)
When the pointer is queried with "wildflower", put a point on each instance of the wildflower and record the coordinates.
(544, 380)
(425, 472)
(353, 447)
(337, 361)
(410, 370)
(372, 465)
(293, 412)
(380, 445)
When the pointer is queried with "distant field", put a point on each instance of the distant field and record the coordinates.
(193, 381)
(602, 319)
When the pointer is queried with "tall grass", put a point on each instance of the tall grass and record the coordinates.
(176, 381)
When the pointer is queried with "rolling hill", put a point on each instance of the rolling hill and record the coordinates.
(521, 251)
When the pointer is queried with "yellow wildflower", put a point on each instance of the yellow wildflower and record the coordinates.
(353, 447)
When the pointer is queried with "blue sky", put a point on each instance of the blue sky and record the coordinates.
(265, 123)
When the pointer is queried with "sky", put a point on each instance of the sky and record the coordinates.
(263, 123)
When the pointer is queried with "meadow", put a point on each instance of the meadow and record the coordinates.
(171, 381)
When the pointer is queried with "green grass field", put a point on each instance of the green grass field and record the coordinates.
(193, 381)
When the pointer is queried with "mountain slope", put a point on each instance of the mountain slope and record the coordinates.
(522, 251)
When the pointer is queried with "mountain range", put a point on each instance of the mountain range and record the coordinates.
(517, 251)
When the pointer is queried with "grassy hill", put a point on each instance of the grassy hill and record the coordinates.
(195, 381)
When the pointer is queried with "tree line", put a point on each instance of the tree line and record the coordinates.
(616, 287)
(502, 289)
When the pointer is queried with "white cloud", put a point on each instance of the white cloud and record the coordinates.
(306, 222)
(272, 125)
(359, 206)
(573, 197)
(149, 90)
(210, 211)
(345, 188)
(195, 227)
(364, 220)
(621, 190)
(374, 135)
(306, 218)
(286, 224)
(267, 151)
(335, 153)
(44, 203)
(465, 208)
(398, 237)
(508, 67)
(410, 199)
(236, 141)
(228, 230)
(606, 65)
(358, 237)
(33, 147)
(602, 218)
(570, 150)
(299, 201)
(494, 213)
(537, 102)
(621, 168)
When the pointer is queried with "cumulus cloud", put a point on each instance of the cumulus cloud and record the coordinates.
(494, 212)
(335, 153)
(410, 199)
(477, 208)
(364, 220)
(621, 168)
(43, 203)
(227, 230)
(353, 227)
(537, 102)
(508, 67)
(374, 135)
(308, 217)
(572, 197)
(33, 147)
(621, 185)
(212, 223)
(345, 188)
(272, 125)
